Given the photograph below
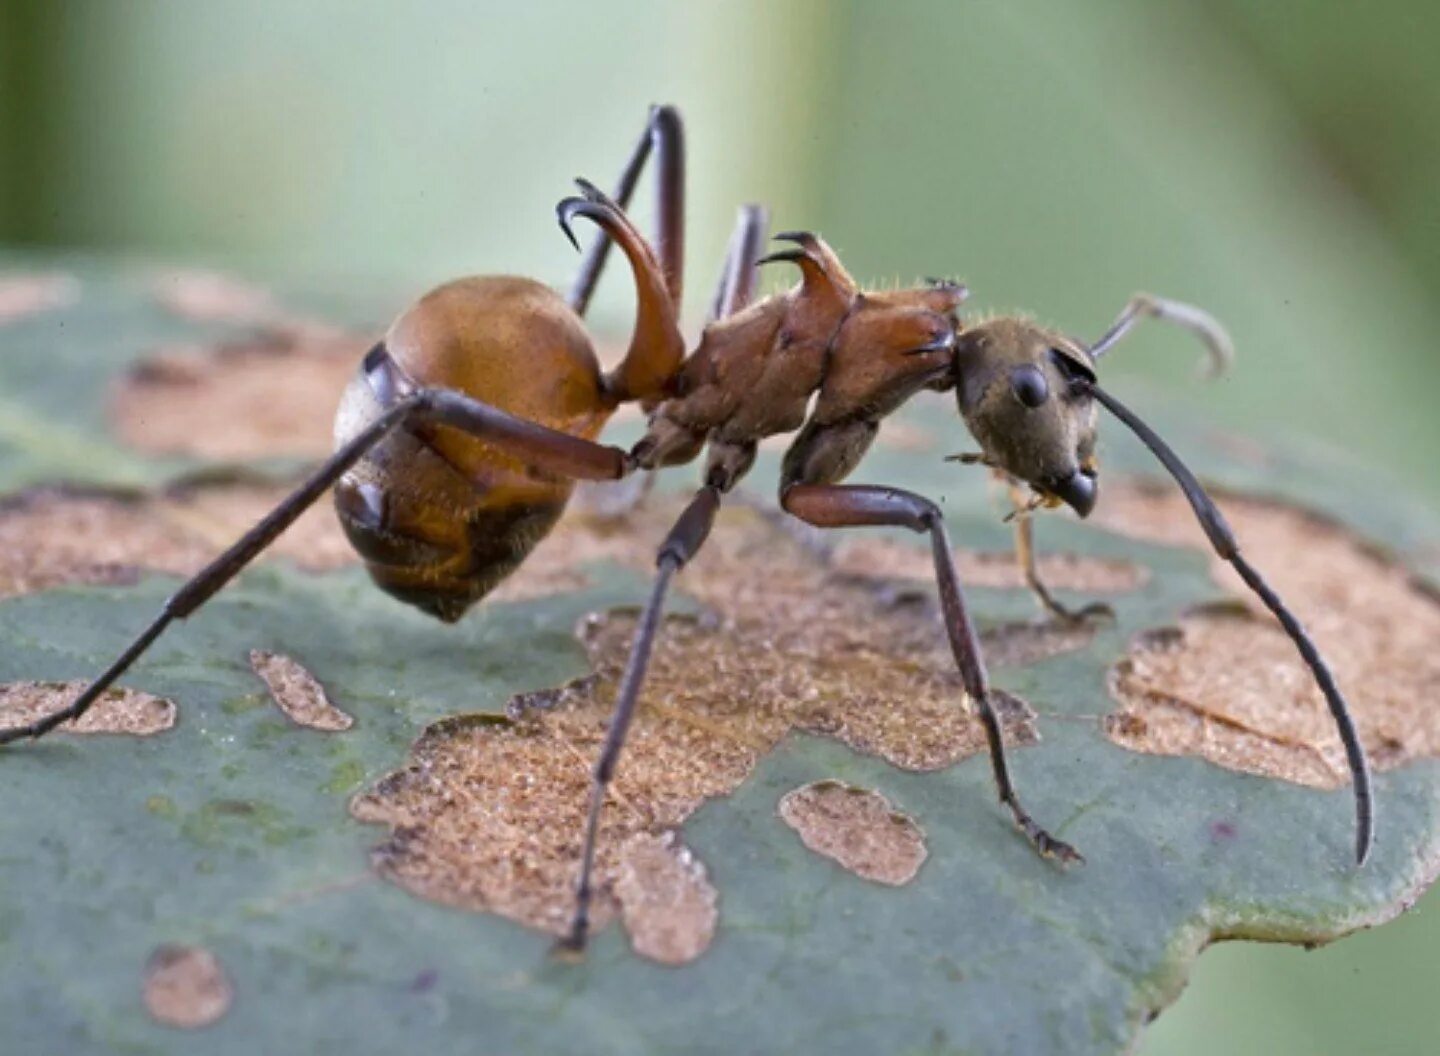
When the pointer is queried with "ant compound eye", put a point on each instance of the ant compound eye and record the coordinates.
(1029, 386)
(1071, 369)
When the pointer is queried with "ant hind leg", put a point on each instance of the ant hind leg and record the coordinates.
(684, 540)
(543, 447)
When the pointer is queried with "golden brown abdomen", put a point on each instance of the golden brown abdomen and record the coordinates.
(440, 516)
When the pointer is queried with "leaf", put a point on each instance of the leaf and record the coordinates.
(232, 833)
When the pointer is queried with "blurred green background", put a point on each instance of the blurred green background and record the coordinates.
(1275, 161)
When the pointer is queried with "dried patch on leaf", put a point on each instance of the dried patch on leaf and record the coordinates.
(887, 559)
(1242, 449)
(488, 813)
(895, 433)
(271, 395)
(1228, 685)
(26, 295)
(902, 435)
(857, 828)
(216, 514)
(53, 537)
(298, 693)
(186, 987)
(667, 903)
(1023, 644)
(127, 711)
(212, 297)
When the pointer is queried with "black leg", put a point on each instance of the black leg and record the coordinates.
(737, 283)
(542, 447)
(844, 506)
(665, 134)
(679, 547)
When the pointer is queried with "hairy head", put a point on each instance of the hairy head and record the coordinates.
(1020, 390)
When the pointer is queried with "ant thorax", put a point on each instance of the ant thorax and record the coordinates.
(854, 355)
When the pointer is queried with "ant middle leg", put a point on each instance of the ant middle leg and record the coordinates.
(681, 544)
(738, 278)
(538, 445)
(846, 506)
(1030, 569)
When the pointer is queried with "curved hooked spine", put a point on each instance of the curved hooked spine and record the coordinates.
(821, 273)
(656, 346)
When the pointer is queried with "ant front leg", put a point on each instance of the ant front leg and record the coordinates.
(847, 506)
(1204, 326)
(1030, 569)
(684, 540)
(539, 446)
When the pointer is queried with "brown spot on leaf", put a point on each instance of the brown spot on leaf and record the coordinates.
(895, 433)
(127, 711)
(218, 513)
(667, 903)
(488, 813)
(903, 435)
(888, 559)
(857, 828)
(1228, 685)
(1022, 644)
(25, 295)
(212, 297)
(52, 537)
(271, 395)
(1243, 449)
(298, 693)
(186, 987)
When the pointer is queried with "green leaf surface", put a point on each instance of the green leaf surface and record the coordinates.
(231, 831)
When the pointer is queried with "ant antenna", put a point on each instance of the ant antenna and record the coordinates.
(1225, 544)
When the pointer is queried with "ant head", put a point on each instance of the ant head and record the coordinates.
(1022, 392)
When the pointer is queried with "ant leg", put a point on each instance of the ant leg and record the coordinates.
(665, 134)
(685, 538)
(656, 344)
(845, 506)
(542, 447)
(1197, 321)
(1025, 555)
(738, 278)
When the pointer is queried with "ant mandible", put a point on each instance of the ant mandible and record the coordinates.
(461, 438)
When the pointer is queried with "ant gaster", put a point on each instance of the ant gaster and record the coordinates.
(459, 441)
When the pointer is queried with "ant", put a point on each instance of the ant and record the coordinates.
(464, 432)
